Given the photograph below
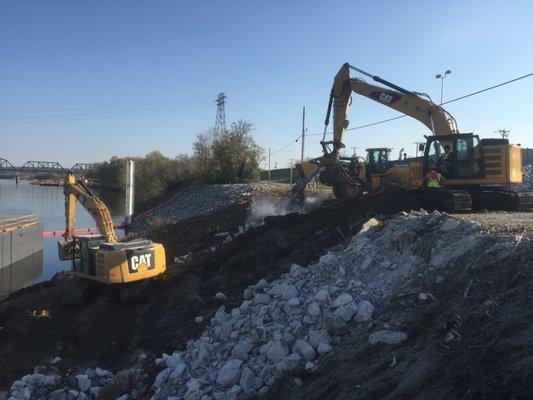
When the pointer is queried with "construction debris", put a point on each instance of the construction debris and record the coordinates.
(289, 324)
(264, 311)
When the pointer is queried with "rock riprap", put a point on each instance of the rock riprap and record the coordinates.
(199, 199)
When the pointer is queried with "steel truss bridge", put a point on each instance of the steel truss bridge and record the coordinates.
(43, 166)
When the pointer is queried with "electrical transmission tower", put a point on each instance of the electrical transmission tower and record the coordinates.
(220, 123)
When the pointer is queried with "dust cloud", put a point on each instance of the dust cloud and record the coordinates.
(270, 206)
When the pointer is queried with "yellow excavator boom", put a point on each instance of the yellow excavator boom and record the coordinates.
(415, 105)
(75, 190)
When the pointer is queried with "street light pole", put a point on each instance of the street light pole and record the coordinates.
(441, 77)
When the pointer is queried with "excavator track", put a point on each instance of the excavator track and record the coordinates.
(503, 199)
(451, 200)
(456, 200)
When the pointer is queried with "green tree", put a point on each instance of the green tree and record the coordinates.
(203, 160)
(228, 157)
(236, 155)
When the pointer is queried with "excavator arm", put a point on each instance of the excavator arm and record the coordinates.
(415, 105)
(75, 190)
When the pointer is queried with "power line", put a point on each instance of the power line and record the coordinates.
(80, 116)
(284, 147)
(446, 102)
(262, 117)
(489, 88)
(100, 108)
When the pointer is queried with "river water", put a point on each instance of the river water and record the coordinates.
(48, 203)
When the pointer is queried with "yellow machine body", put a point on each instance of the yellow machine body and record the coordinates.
(117, 263)
(465, 161)
(503, 165)
(408, 175)
(102, 258)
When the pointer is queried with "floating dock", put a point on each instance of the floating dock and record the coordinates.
(21, 245)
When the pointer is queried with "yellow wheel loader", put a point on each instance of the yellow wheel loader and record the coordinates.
(101, 258)
(474, 171)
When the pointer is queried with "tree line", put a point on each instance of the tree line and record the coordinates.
(227, 157)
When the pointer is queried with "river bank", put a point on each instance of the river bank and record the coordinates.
(47, 202)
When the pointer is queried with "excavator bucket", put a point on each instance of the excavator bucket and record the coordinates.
(305, 172)
(67, 250)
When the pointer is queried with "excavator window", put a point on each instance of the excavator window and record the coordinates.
(468, 157)
(456, 156)
(435, 152)
(86, 263)
(377, 161)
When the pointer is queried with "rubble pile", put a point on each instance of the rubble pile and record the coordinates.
(49, 382)
(286, 326)
(200, 200)
(527, 177)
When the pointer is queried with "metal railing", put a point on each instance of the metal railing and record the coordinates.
(7, 224)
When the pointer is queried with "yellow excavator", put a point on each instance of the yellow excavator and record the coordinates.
(476, 172)
(101, 258)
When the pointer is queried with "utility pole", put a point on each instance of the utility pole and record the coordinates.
(303, 136)
(269, 165)
(504, 133)
(290, 174)
(354, 151)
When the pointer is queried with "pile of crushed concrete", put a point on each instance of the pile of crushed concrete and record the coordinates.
(199, 199)
(527, 177)
(47, 382)
(286, 326)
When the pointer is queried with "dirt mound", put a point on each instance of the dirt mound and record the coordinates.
(35, 327)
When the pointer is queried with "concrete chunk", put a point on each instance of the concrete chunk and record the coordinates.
(387, 336)
(230, 373)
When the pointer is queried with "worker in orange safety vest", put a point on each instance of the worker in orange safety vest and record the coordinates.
(433, 177)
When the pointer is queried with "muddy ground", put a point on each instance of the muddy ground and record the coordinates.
(35, 327)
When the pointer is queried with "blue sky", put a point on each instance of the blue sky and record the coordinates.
(81, 81)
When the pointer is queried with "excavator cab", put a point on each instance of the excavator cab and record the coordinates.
(86, 248)
(377, 161)
(457, 156)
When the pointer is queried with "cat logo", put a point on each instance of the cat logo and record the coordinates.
(141, 262)
(385, 98)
